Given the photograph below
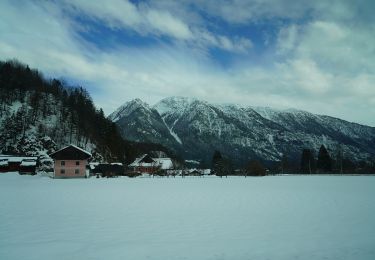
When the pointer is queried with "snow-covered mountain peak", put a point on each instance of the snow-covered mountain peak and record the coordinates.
(194, 129)
(173, 104)
(127, 108)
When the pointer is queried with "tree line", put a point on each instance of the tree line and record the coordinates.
(309, 163)
(78, 120)
(326, 162)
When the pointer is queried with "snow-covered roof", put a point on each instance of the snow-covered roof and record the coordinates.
(117, 163)
(136, 161)
(18, 159)
(71, 152)
(15, 159)
(76, 147)
(3, 163)
(206, 171)
(92, 165)
(163, 163)
(28, 163)
(81, 149)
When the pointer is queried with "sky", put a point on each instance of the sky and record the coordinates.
(317, 56)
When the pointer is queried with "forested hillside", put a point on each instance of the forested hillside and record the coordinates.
(39, 115)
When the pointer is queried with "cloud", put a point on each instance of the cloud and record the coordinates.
(165, 22)
(146, 19)
(123, 14)
(287, 39)
(324, 64)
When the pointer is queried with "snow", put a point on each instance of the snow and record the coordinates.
(76, 147)
(3, 162)
(270, 139)
(164, 163)
(127, 108)
(28, 163)
(278, 217)
(192, 161)
(174, 104)
(17, 159)
(175, 136)
(170, 129)
(15, 106)
(92, 165)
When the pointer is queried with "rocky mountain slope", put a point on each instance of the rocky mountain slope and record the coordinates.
(194, 129)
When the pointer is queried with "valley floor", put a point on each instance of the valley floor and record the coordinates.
(274, 217)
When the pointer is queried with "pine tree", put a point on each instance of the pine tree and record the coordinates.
(284, 164)
(324, 162)
(217, 164)
(339, 158)
(307, 161)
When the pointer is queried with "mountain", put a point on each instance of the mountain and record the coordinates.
(38, 116)
(194, 129)
(139, 122)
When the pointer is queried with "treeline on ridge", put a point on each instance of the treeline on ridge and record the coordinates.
(83, 121)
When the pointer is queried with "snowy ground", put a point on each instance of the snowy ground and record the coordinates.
(279, 217)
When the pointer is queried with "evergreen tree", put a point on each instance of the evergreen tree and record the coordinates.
(227, 167)
(221, 166)
(339, 158)
(284, 164)
(324, 162)
(307, 161)
(217, 164)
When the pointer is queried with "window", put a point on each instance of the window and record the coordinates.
(62, 163)
(76, 171)
(77, 162)
(62, 171)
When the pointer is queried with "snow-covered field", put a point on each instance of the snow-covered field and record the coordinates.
(280, 217)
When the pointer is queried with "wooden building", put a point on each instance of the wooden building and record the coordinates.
(28, 167)
(18, 163)
(70, 162)
(108, 169)
(147, 164)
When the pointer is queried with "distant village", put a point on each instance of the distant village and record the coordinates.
(74, 162)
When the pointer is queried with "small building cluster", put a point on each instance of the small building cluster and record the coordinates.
(21, 164)
(73, 162)
(189, 172)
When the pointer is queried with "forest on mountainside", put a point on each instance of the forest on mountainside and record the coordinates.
(39, 115)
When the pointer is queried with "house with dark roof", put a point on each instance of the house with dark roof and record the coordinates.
(108, 169)
(28, 166)
(18, 163)
(70, 162)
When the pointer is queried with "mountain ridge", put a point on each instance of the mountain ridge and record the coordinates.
(194, 129)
